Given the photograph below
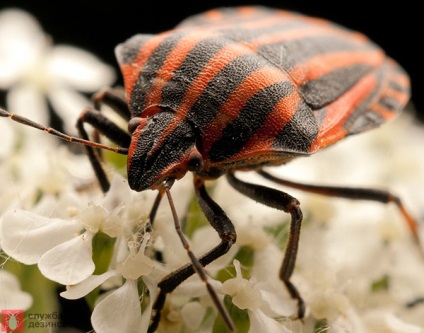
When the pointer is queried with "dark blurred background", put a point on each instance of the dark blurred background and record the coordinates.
(99, 25)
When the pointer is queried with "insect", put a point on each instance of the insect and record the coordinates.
(12, 322)
(240, 89)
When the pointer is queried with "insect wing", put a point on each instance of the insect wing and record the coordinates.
(347, 81)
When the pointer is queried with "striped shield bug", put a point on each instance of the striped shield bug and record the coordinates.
(240, 89)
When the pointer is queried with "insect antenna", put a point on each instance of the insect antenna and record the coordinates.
(195, 262)
(28, 122)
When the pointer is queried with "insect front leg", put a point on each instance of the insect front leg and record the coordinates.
(108, 129)
(285, 202)
(115, 99)
(226, 231)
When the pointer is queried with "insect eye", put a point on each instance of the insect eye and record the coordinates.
(195, 162)
(133, 124)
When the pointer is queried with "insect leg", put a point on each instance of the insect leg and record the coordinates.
(109, 130)
(356, 194)
(115, 99)
(285, 202)
(225, 229)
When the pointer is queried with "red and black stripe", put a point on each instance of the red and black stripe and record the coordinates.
(262, 85)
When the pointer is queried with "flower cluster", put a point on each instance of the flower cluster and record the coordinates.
(358, 269)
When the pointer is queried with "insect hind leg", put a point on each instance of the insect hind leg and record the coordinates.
(285, 202)
(354, 193)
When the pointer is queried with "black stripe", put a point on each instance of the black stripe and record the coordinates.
(250, 119)
(229, 15)
(189, 69)
(249, 34)
(326, 89)
(299, 133)
(399, 87)
(366, 121)
(221, 86)
(390, 103)
(288, 54)
(145, 80)
(128, 51)
(146, 165)
(362, 118)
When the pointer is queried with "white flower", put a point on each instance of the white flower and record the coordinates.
(62, 247)
(382, 321)
(11, 295)
(31, 68)
(188, 305)
(120, 310)
(246, 294)
(32, 71)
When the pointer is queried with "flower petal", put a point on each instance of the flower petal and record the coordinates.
(88, 285)
(244, 293)
(275, 302)
(11, 295)
(195, 287)
(118, 194)
(193, 314)
(397, 325)
(79, 69)
(22, 41)
(152, 286)
(68, 104)
(260, 323)
(380, 321)
(28, 101)
(27, 236)
(136, 264)
(120, 311)
(7, 138)
(70, 262)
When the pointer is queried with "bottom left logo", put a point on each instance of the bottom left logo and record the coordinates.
(12, 320)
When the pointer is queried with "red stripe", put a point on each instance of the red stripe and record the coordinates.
(323, 64)
(229, 110)
(209, 71)
(172, 62)
(131, 71)
(332, 129)
(262, 141)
